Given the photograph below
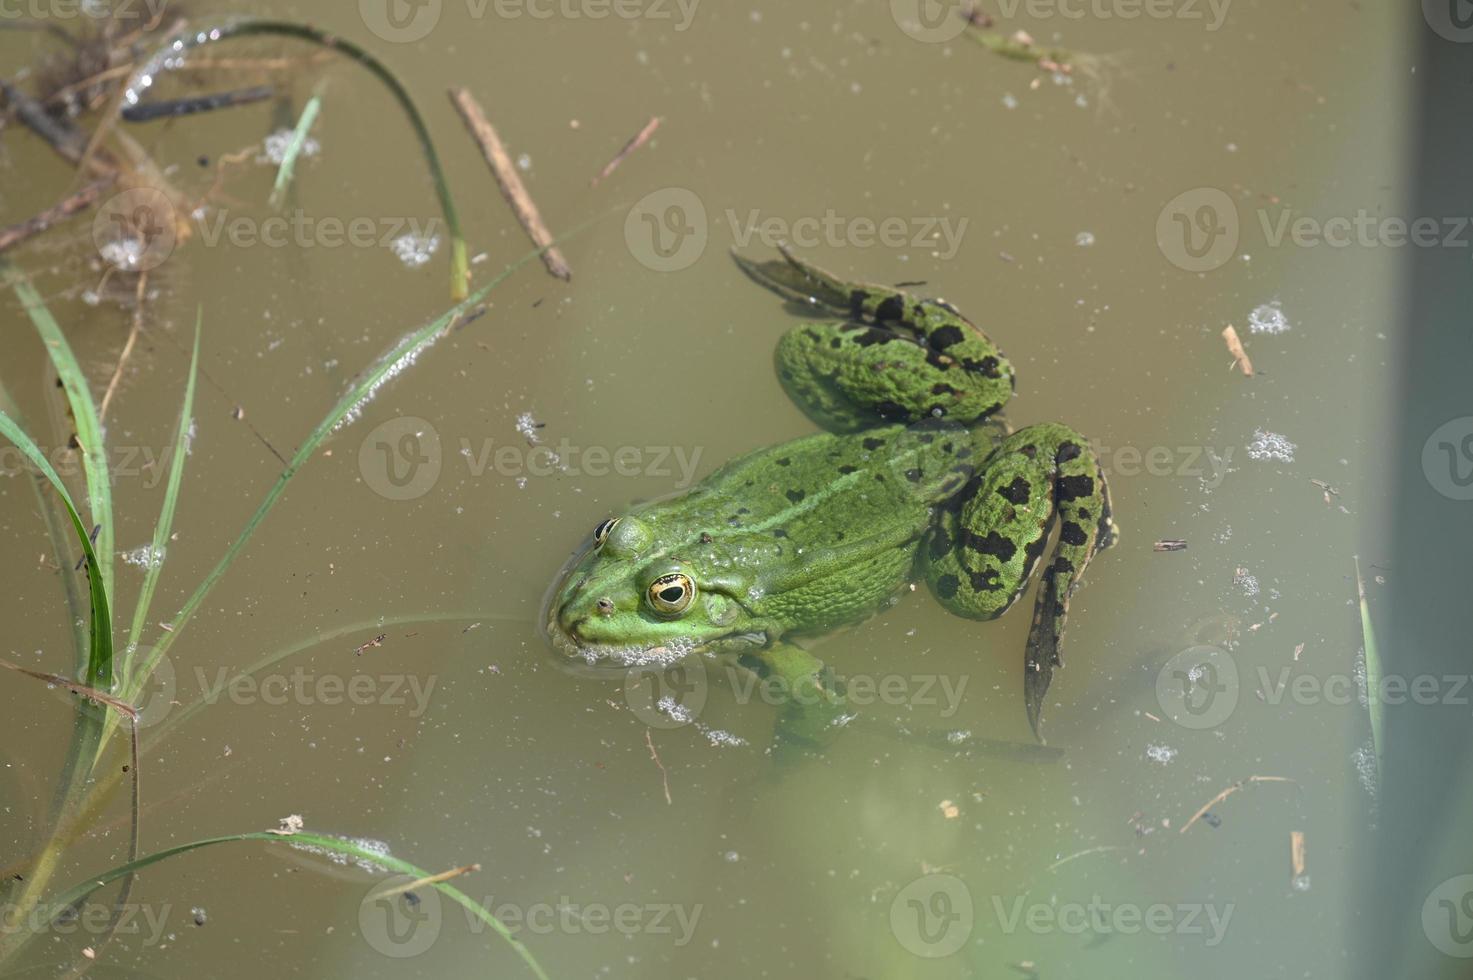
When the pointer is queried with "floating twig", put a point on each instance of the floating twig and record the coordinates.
(82, 199)
(1084, 853)
(167, 109)
(664, 775)
(1235, 348)
(409, 886)
(1296, 855)
(1374, 706)
(1229, 792)
(640, 139)
(1169, 544)
(112, 385)
(510, 181)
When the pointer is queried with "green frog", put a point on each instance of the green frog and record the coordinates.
(786, 544)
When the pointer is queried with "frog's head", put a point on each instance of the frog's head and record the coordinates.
(628, 602)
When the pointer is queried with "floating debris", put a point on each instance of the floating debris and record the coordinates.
(274, 147)
(527, 426)
(1169, 544)
(1298, 876)
(1268, 318)
(1084, 239)
(144, 557)
(1271, 445)
(414, 250)
(1246, 581)
(1160, 753)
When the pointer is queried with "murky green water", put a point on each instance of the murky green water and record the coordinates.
(1030, 204)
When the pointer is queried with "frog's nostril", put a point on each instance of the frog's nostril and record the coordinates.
(605, 606)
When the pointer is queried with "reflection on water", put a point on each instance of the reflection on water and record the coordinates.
(619, 837)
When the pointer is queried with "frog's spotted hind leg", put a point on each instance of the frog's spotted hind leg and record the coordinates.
(891, 358)
(982, 552)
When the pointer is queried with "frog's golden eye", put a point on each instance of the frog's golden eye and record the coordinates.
(601, 533)
(671, 595)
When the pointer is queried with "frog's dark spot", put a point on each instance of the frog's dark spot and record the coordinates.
(785, 461)
(1072, 534)
(744, 510)
(1030, 450)
(705, 537)
(891, 411)
(992, 544)
(1074, 487)
(813, 335)
(1033, 550)
(779, 533)
(926, 438)
(1015, 492)
(987, 366)
(985, 580)
(946, 586)
(836, 343)
(880, 477)
(1068, 451)
(913, 475)
(838, 535)
(946, 447)
(796, 496)
(892, 308)
(941, 388)
(785, 375)
(846, 469)
(941, 544)
(872, 336)
(944, 337)
(872, 443)
(856, 301)
(939, 361)
(1083, 514)
(964, 453)
(1061, 566)
(734, 521)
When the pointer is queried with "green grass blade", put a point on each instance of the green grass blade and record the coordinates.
(293, 149)
(335, 845)
(1376, 709)
(389, 364)
(84, 413)
(58, 535)
(187, 37)
(100, 654)
(165, 525)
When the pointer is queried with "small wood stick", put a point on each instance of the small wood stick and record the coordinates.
(509, 181)
(84, 198)
(640, 139)
(1235, 348)
(664, 776)
(1296, 853)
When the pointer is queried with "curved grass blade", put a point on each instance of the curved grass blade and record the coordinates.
(335, 845)
(165, 525)
(293, 150)
(84, 414)
(100, 654)
(186, 38)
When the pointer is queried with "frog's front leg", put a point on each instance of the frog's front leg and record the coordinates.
(811, 708)
(981, 553)
(892, 358)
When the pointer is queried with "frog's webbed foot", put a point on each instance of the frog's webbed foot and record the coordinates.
(982, 552)
(811, 706)
(889, 357)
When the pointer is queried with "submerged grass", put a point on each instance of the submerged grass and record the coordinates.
(186, 38)
(293, 149)
(1374, 707)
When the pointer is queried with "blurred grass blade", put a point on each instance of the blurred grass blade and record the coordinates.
(1373, 672)
(293, 149)
(84, 415)
(100, 654)
(173, 51)
(165, 525)
(332, 845)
